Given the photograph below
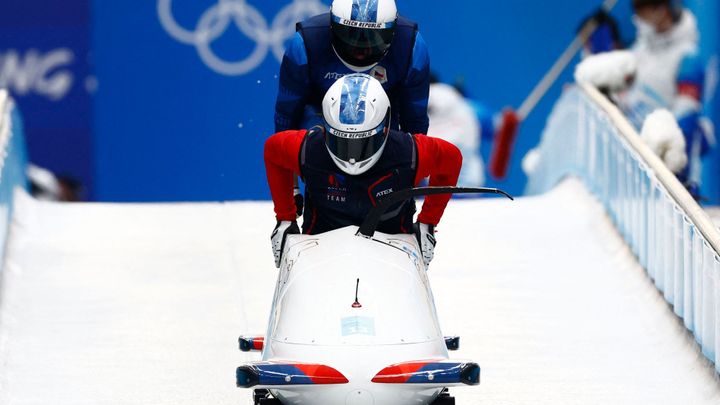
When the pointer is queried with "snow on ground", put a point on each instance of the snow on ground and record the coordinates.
(142, 304)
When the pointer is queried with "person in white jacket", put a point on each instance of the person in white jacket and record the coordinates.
(454, 119)
(668, 74)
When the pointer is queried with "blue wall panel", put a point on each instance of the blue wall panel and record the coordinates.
(44, 62)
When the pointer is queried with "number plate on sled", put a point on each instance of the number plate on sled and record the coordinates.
(358, 325)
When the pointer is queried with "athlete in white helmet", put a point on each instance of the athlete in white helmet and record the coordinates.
(351, 162)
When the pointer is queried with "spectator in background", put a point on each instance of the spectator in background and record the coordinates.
(669, 74)
(46, 186)
(454, 119)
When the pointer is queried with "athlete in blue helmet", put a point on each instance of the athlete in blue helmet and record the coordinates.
(356, 36)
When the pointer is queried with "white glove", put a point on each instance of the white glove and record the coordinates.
(277, 239)
(613, 71)
(661, 133)
(531, 161)
(425, 235)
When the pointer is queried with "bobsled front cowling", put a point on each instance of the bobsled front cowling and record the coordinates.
(313, 319)
(315, 303)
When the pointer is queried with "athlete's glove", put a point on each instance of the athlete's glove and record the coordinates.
(280, 233)
(605, 37)
(425, 235)
(661, 133)
(299, 201)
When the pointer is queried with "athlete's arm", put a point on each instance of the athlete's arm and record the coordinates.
(282, 152)
(442, 161)
(415, 90)
(687, 106)
(294, 86)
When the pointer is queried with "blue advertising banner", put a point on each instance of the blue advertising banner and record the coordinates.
(44, 62)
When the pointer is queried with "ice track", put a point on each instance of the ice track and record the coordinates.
(142, 304)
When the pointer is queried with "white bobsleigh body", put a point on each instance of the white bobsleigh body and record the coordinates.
(326, 346)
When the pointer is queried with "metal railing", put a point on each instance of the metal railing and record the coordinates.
(669, 233)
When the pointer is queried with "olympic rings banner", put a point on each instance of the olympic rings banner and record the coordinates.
(248, 20)
(186, 94)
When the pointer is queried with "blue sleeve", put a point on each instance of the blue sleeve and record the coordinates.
(486, 117)
(415, 91)
(694, 133)
(294, 86)
(601, 40)
(692, 71)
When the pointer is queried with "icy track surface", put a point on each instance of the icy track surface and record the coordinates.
(142, 304)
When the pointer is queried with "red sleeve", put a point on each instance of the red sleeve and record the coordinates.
(282, 152)
(689, 89)
(442, 161)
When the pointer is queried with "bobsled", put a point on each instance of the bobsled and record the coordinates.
(353, 322)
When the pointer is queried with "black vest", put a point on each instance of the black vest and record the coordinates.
(325, 66)
(334, 199)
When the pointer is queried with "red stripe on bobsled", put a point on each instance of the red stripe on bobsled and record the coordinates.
(399, 373)
(321, 374)
(438, 372)
(271, 374)
(251, 343)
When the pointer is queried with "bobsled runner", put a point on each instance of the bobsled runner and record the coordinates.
(353, 322)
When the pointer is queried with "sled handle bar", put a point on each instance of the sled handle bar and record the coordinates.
(368, 227)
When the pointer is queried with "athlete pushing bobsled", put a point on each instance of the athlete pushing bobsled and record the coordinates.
(350, 162)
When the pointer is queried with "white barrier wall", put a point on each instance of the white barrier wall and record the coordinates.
(672, 237)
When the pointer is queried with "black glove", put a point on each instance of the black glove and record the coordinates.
(606, 36)
(277, 239)
(425, 235)
(299, 202)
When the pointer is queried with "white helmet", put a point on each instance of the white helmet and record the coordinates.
(362, 31)
(357, 121)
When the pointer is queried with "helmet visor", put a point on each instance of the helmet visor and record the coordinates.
(356, 147)
(360, 46)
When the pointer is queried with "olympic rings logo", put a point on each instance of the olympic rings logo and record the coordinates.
(216, 20)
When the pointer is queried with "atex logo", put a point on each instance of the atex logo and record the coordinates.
(45, 74)
(216, 20)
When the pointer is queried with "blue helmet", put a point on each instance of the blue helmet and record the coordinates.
(362, 31)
